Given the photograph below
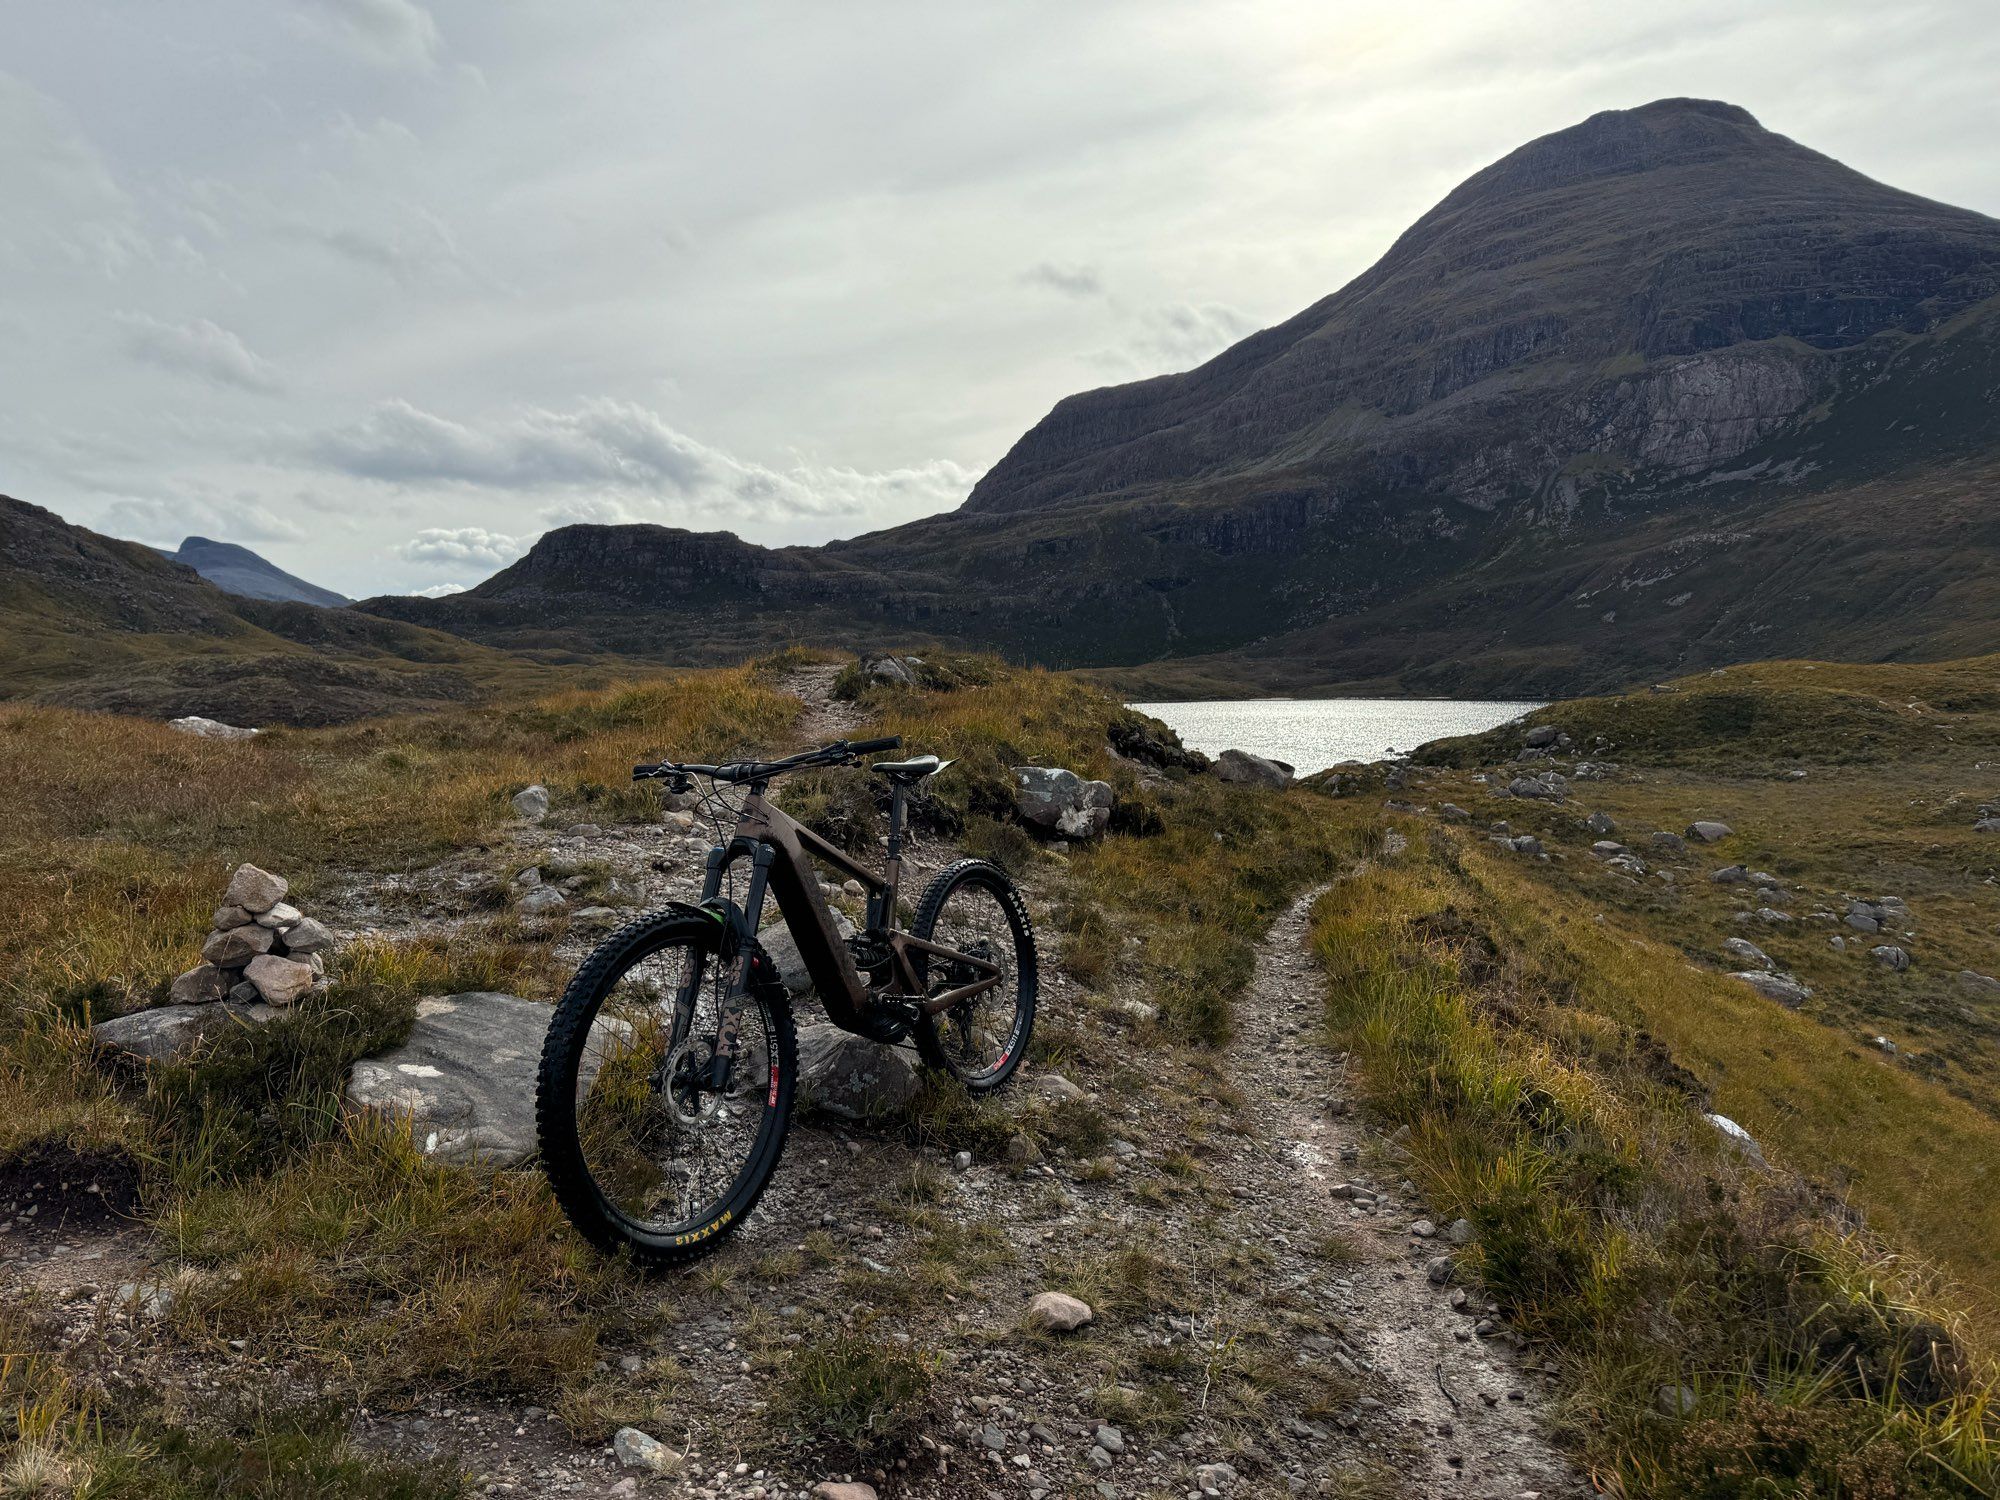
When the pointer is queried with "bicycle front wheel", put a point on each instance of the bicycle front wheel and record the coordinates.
(973, 908)
(652, 1143)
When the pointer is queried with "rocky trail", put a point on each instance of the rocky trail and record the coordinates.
(1273, 1312)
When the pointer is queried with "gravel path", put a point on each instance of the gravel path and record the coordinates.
(1451, 1375)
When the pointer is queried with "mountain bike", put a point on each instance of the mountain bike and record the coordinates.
(668, 1075)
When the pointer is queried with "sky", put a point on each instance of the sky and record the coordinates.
(386, 288)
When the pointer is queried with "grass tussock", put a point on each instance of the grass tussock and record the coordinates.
(1613, 1222)
(858, 1394)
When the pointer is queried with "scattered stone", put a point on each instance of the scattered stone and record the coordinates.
(1453, 812)
(639, 1450)
(1056, 1086)
(532, 802)
(1210, 1478)
(892, 670)
(1730, 875)
(843, 1490)
(1110, 1439)
(279, 981)
(1605, 848)
(1459, 1231)
(1748, 952)
(1883, 1044)
(1771, 916)
(1737, 1138)
(1600, 823)
(783, 950)
(1541, 736)
(1709, 831)
(1423, 1229)
(584, 830)
(1675, 1400)
(1549, 786)
(1525, 843)
(1782, 988)
(1059, 801)
(254, 890)
(1245, 769)
(1057, 1312)
(1890, 956)
(852, 1078)
(1438, 1269)
(541, 900)
(209, 729)
(1672, 843)
(1973, 982)
(278, 918)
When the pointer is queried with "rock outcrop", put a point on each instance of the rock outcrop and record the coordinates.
(1059, 801)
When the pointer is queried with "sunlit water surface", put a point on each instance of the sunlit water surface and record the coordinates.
(1311, 734)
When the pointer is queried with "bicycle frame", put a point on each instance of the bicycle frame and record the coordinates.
(780, 852)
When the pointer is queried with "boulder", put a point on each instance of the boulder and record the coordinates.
(1541, 736)
(1975, 983)
(532, 802)
(254, 890)
(174, 1033)
(1671, 843)
(783, 950)
(892, 670)
(234, 948)
(541, 899)
(1782, 988)
(830, 1489)
(1245, 769)
(209, 729)
(465, 1079)
(1890, 956)
(1057, 1312)
(1745, 951)
(1601, 824)
(1549, 786)
(1452, 812)
(1059, 801)
(852, 1078)
(204, 984)
(1737, 1138)
(1730, 875)
(1709, 831)
(1605, 848)
(279, 981)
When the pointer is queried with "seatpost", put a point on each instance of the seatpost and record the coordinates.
(893, 872)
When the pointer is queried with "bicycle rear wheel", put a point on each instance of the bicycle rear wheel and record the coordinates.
(974, 908)
(649, 1143)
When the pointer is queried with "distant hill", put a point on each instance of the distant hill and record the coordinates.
(93, 622)
(238, 570)
(1660, 391)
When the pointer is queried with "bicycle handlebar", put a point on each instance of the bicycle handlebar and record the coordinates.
(841, 752)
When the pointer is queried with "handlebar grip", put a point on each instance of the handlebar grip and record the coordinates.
(645, 773)
(869, 747)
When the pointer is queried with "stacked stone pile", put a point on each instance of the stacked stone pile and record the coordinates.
(261, 948)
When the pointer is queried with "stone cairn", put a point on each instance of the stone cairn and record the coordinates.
(261, 948)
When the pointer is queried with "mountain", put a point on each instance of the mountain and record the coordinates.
(93, 622)
(238, 570)
(1660, 391)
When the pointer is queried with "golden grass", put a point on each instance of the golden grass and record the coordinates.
(1520, 1042)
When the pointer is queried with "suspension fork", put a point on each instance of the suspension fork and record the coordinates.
(729, 1019)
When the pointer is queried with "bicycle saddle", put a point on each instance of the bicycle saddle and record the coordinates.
(914, 769)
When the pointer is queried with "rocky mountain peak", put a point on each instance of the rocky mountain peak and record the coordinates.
(1614, 142)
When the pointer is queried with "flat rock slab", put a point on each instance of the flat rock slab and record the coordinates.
(465, 1080)
(175, 1033)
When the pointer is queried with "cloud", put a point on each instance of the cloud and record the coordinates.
(439, 590)
(654, 471)
(1070, 280)
(395, 33)
(464, 544)
(199, 348)
(1176, 336)
(167, 519)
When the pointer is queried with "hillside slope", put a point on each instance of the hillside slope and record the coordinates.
(89, 621)
(1661, 391)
